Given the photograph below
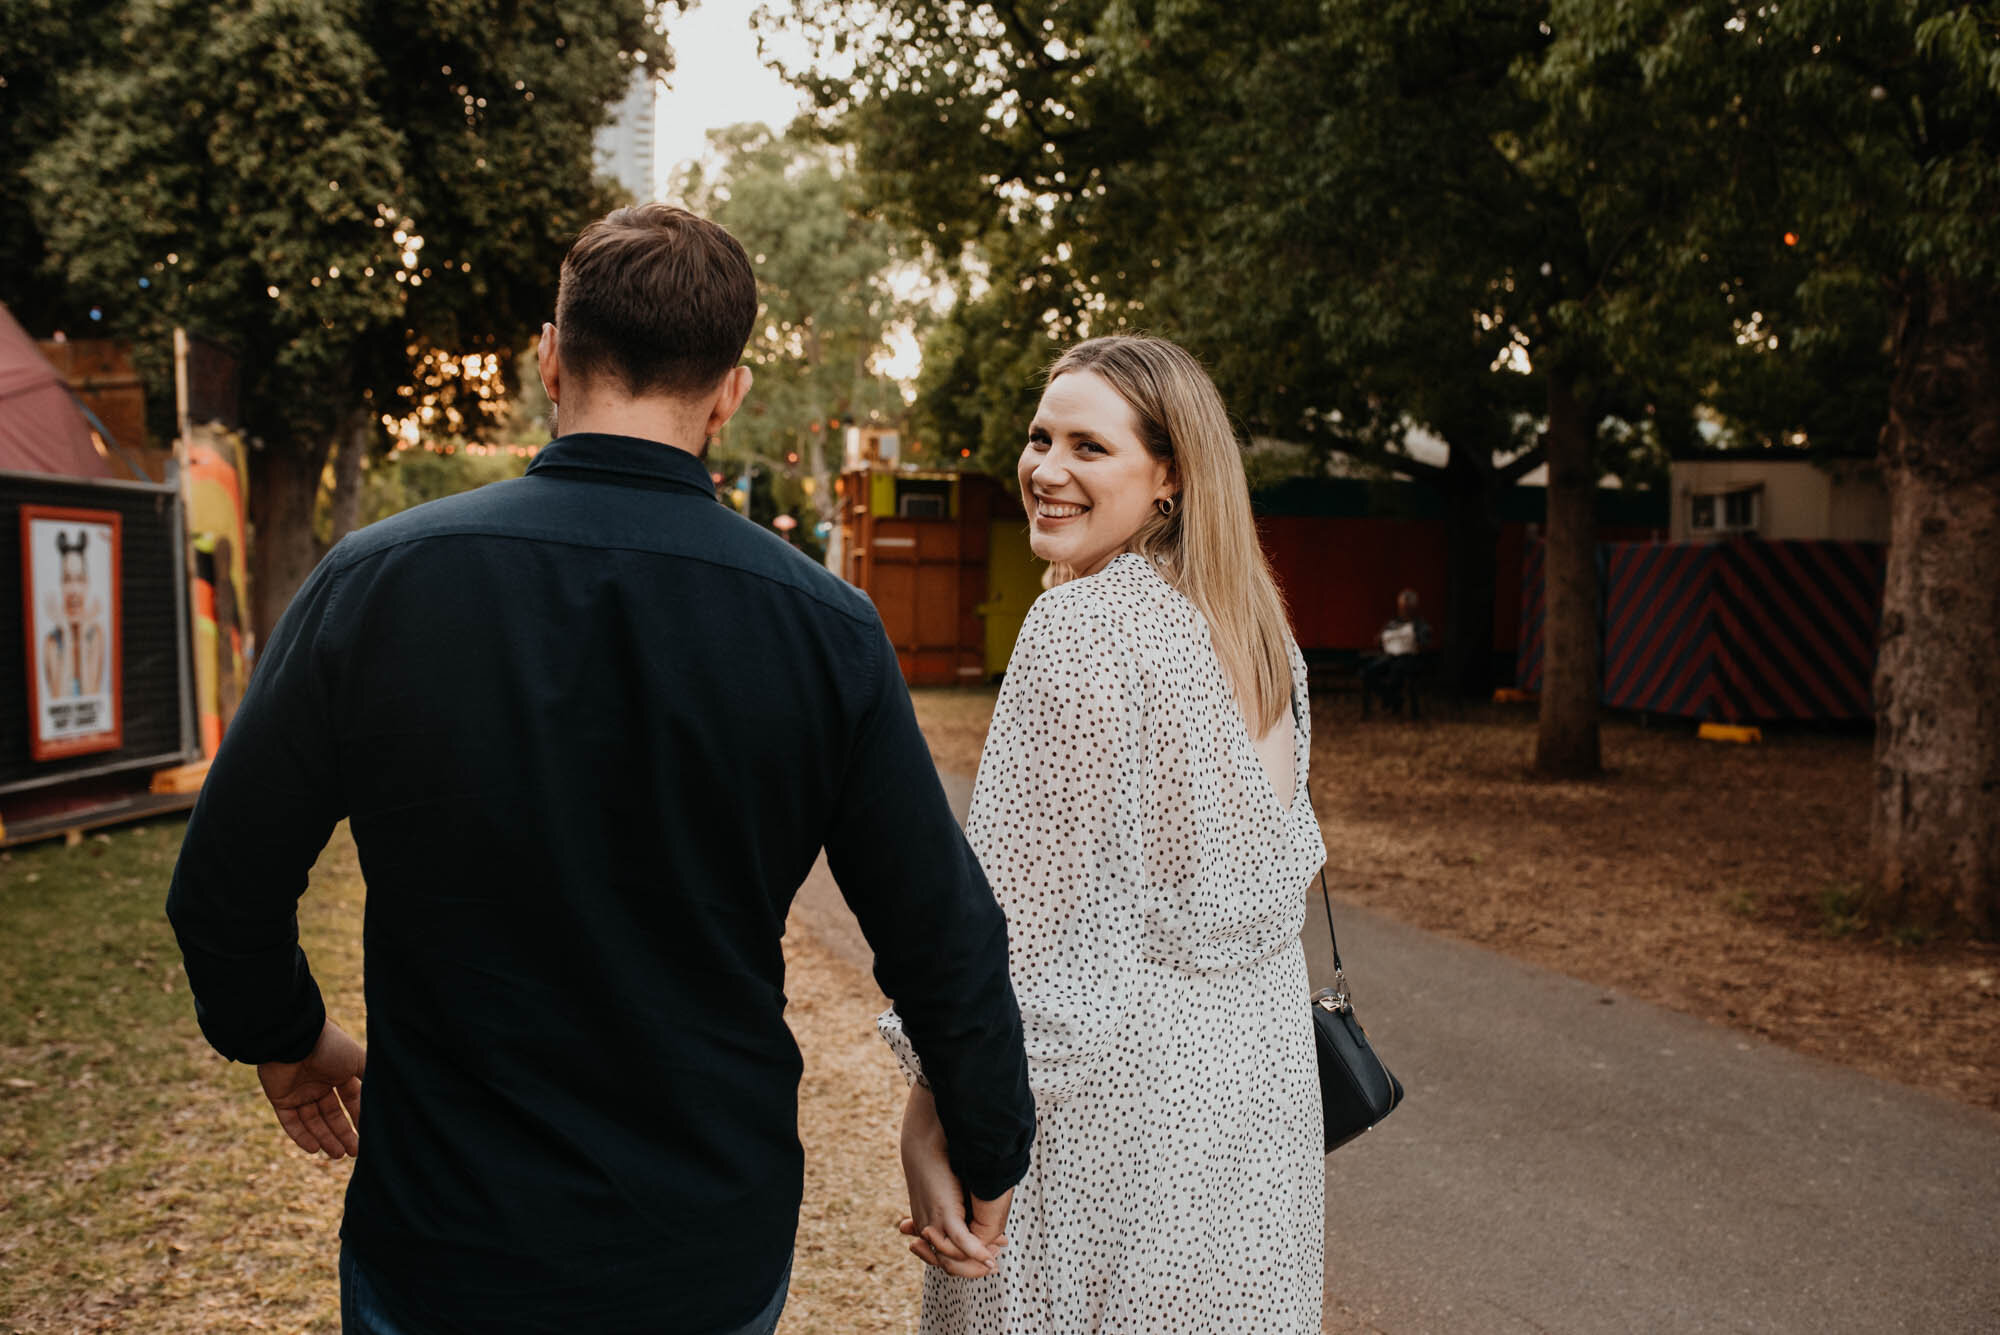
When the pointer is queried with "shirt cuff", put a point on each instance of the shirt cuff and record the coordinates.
(284, 1039)
(990, 1181)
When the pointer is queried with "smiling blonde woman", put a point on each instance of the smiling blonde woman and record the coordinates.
(1143, 816)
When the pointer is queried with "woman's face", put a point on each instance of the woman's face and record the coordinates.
(75, 584)
(1087, 480)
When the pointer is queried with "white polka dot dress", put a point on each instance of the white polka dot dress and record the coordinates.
(1155, 890)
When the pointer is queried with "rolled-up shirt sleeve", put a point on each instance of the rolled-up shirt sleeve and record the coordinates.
(267, 808)
(939, 938)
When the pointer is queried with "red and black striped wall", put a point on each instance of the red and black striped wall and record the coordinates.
(1661, 643)
(1737, 631)
(1534, 614)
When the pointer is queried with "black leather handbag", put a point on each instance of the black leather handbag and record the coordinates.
(1355, 1089)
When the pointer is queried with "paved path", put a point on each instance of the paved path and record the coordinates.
(1571, 1160)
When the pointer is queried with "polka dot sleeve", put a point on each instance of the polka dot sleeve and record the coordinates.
(1058, 818)
(890, 1026)
(1153, 885)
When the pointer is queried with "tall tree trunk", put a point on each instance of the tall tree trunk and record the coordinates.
(1935, 839)
(1472, 540)
(1566, 743)
(284, 483)
(355, 441)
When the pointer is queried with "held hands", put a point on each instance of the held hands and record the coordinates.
(940, 1232)
(318, 1100)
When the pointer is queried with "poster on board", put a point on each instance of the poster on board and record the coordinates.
(70, 590)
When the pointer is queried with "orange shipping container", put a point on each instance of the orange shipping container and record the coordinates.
(918, 543)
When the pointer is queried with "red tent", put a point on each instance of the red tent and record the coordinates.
(41, 428)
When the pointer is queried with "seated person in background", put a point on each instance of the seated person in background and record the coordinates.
(1404, 639)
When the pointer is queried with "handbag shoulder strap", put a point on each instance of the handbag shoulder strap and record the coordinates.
(1328, 900)
(1339, 974)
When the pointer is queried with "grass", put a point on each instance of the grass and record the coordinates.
(1840, 911)
(1743, 903)
(146, 1189)
(144, 1184)
(142, 1180)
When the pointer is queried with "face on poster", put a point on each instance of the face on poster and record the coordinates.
(71, 564)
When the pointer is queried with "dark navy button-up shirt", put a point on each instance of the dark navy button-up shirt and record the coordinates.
(591, 729)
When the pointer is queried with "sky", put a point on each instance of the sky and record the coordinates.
(717, 80)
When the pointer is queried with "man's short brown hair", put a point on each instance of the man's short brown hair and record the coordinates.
(655, 299)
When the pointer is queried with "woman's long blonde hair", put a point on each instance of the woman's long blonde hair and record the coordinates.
(1207, 547)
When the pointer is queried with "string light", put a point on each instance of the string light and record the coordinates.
(447, 392)
(439, 448)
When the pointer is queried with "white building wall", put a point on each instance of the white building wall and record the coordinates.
(1798, 499)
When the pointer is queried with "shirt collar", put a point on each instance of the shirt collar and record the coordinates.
(630, 460)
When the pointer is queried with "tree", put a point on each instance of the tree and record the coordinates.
(44, 38)
(1851, 147)
(369, 202)
(1341, 206)
(827, 304)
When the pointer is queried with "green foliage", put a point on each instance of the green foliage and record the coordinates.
(332, 188)
(828, 305)
(398, 481)
(1341, 207)
(43, 38)
(1798, 161)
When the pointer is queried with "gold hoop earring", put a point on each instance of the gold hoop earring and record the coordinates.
(1165, 505)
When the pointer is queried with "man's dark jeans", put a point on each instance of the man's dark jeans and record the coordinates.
(361, 1311)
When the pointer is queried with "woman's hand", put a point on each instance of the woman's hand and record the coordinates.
(937, 1227)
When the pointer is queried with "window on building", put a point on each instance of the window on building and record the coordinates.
(923, 497)
(1716, 513)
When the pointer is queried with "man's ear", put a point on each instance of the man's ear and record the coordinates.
(549, 359)
(728, 398)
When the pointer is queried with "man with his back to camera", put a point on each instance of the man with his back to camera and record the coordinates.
(539, 704)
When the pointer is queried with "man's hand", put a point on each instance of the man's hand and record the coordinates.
(989, 1218)
(318, 1100)
(938, 1228)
